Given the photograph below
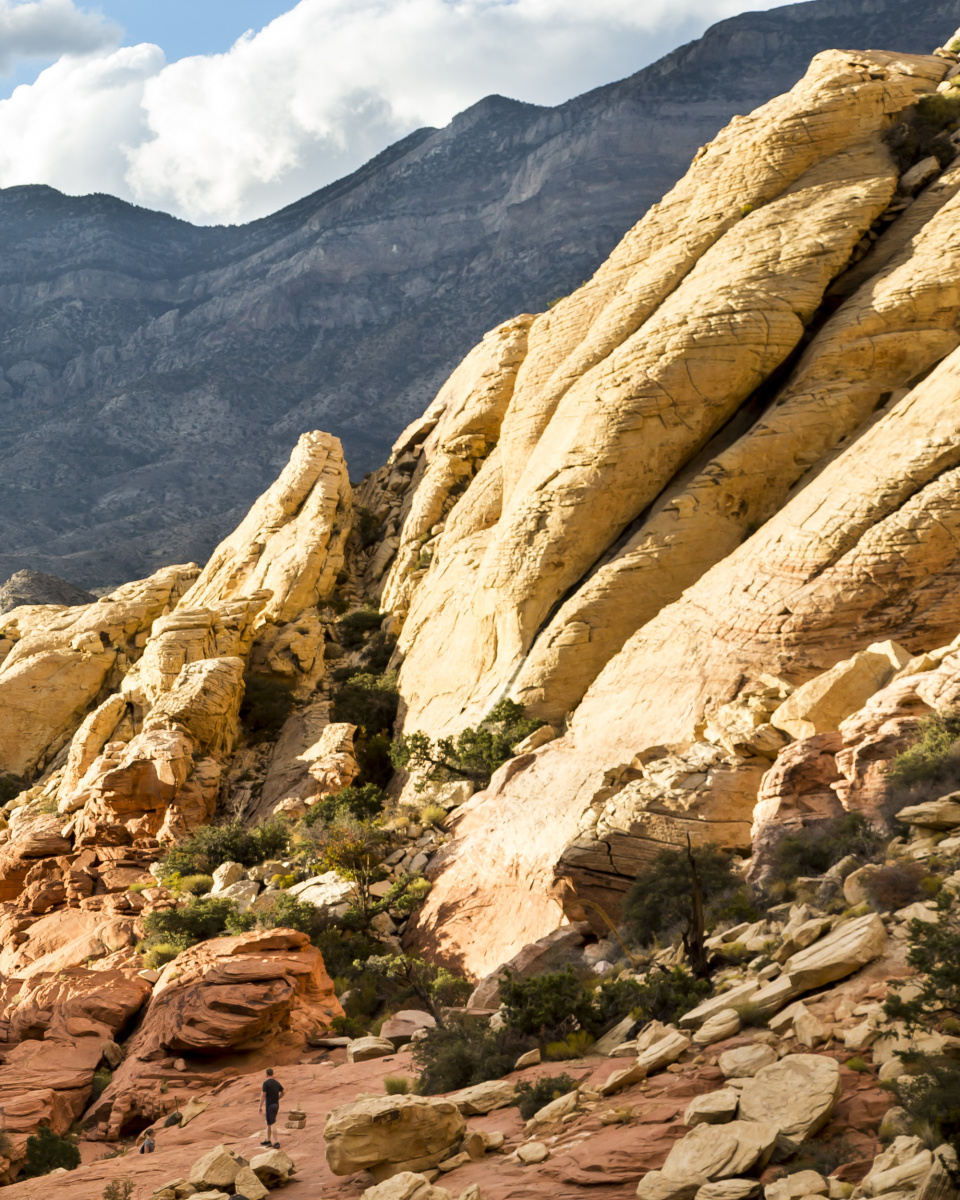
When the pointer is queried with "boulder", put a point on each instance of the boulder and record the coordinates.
(797, 1094)
(390, 1134)
(933, 814)
(711, 1152)
(746, 1061)
(401, 1027)
(739, 994)
(242, 893)
(329, 892)
(248, 1183)
(484, 1097)
(217, 1169)
(533, 1152)
(664, 1051)
(365, 1048)
(712, 1108)
(408, 1185)
(272, 1167)
(849, 947)
(820, 705)
(901, 1167)
(657, 1186)
(728, 1189)
(800, 1183)
(722, 1025)
(556, 1109)
(545, 954)
(226, 874)
(618, 1080)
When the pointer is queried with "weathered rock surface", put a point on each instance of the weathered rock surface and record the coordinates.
(59, 659)
(795, 1095)
(392, 1134)
(291, 541)
(237, 994)
(33, 587)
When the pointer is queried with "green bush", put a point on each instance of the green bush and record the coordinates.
(203, 918)
(378, 653)
(547, 1006)
(535, 1096)
(287, 912)
(662, 900)
(931, 1092)
(265, 707)
(817, 848)
(475, 754)
(925, 130)
(929, 768)
(574, 1045)
(361, 803)
(396, 1085)
(194, 885)
(368, 701)
(463, 1052)
(102, 1078)
(160, 953)
(412, 978)
(352, 630)
(46, 1151)
(660, 995)
(212, 845)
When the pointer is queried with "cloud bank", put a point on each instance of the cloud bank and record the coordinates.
(230, 137)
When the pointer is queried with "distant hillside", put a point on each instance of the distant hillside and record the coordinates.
(154, 375)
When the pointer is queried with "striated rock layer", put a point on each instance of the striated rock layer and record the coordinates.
(629, 379)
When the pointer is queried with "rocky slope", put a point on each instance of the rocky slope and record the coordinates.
(702, 516)
(167, 370)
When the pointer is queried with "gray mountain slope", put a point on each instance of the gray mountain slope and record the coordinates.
(155, 374)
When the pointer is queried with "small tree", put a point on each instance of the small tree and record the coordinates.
(47, 1150)
(678, 892)
(119, 1189)
(355, 850)
(547, 1006)
(435, 987)
(931, 1091)
(475, 754)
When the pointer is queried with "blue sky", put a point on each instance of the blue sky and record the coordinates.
(221, 111)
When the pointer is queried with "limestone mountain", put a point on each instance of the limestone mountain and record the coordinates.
(154, 376)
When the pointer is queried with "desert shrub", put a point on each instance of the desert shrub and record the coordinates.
(361, 803)
(666, 995)
(574, 1045)
(433, 814)
(824, 1156)
(367, 701)
(411, 977)
(204, 917)
(137, 888)
(160, 953)
(547, 1006)
(287, 912)
(119, 1189)
(355, 850)
(102, 1078)
(47, 1150)
(929, 768)
(678, 893)
(896, 886)
(212, 845)
(366, 525)
(931, 1092)
(396, 1085)
(10, 787)
(474, 754)
(265, 706)
(378, 652)
(537, 1095)
(814, 850)
(194, 885)
(925, 129)
(463, 1052)
(352, 630)
(344, 951)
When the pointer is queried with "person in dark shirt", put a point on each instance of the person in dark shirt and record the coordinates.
(148, 1145)
(270, 1095)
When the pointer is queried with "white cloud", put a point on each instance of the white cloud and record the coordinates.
(49, 28)
(232, 136)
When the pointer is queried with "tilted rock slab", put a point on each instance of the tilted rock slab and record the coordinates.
(869, 549)
(291, 541)
(718, 303)
(56, 669)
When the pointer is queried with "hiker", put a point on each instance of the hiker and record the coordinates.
(148, 1145)
(270, 1093)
